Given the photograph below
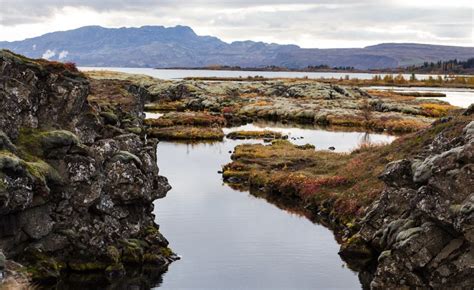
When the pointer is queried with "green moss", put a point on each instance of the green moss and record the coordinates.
(153, 258)
(109, 117)
(166, 252)
(9, 160)
(133, 250)
(3, 185)
(115, 268)
(41, 266)
(36, 143)
(86, 266)
(113, 254)
(152, 230)
(134, 130)
(58, 138)
(165, 106)
(5, 143)
(42, 171)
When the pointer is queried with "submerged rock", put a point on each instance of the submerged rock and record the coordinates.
(76, 190)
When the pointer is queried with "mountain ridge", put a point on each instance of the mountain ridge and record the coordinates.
(180, 46)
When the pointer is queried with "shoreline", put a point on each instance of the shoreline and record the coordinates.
(352, 71)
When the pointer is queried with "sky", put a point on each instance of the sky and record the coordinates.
(308, 23)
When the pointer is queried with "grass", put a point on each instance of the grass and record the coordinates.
(186, 133)
(111, 94)
(200, 119)
(266, 134)
(164, 106)
(341, 186)
(67, 69)
(436, 110)
(388, 80)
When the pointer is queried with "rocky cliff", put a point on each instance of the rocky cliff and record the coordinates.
(77, 176)
(420, 233)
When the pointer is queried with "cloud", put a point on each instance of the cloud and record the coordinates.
(48, 54)
(309, 23)
(63, 54)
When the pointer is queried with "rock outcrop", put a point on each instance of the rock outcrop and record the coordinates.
(77, 175)
(420, 233)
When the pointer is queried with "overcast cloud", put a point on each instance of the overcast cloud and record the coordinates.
(316, 23)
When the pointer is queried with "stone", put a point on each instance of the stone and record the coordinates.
(79, 184)
(421, 226)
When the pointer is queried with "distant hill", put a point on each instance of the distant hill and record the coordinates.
(180, 46)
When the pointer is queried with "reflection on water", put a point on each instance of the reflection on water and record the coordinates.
(456, 97)
(150, 115)
(230, 239)
(137, 278)
(169, 74)
(322, 139)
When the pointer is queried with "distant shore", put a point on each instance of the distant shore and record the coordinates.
(398, 81)
(394, 71)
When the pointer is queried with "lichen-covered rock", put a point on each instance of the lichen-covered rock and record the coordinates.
(73, 195)
(421, 230)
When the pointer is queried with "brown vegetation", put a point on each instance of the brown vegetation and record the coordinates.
(266, 134)
(340, 186)
(186, 133)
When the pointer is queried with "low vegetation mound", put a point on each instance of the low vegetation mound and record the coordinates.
(265, 134)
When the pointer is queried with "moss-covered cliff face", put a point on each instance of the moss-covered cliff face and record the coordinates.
(420, 232)
(77, 176)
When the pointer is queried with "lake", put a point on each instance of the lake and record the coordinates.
(456, 97)
(176, 74)
(232, 240)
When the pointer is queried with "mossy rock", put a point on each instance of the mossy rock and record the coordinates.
(154, 259)
(126, 157)
(57, 139)
(152, 230)
(166, 252)
(134, 130)
(42, 171)
(10, 162)
(6, 144)
(113, 254)
(109, 118)
(132, 255)
(41, 266)
(34, 143)
(87, 266)
(3, 185)
(114, 271)
(45, 270)
(133, 250)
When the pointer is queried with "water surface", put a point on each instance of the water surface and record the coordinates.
(169, 74)
(455, 96)
(232, 240)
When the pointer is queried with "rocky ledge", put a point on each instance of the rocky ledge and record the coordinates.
(77, 176)
(420, 232)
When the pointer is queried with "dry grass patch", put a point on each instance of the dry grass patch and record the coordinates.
(186, 133)
(266, 134)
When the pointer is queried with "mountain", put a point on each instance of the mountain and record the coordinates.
(180, 46)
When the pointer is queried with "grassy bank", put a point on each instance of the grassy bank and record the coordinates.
(336, 186)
